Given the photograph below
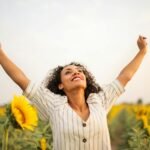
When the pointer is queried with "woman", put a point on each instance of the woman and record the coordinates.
(75, 106)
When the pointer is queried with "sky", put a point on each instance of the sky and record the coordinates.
(40, 35)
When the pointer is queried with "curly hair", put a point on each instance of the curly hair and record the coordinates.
(55, 79)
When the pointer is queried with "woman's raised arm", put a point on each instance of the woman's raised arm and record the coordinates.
(14, 72)
(127, 73)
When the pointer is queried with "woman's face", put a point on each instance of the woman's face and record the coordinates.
(72, 77)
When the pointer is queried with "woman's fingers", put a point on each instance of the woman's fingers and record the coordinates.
(142, 40)
(142, 37)
(142, 43)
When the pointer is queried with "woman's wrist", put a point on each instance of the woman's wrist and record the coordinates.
(143, 51)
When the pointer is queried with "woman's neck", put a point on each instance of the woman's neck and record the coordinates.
(76, 100)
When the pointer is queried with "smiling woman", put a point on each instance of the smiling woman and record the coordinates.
(77, 122)
(73, 103)
(53, 79)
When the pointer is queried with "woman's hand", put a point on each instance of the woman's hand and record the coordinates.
(142, 44)
(129, 70)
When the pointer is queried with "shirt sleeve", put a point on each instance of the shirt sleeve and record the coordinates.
(41, 98)
(111, 93)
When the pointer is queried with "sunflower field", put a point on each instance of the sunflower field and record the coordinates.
(129, 127)
(38, 139)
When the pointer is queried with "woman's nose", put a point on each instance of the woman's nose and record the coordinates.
(76, 72)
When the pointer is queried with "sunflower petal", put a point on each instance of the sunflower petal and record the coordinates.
(24, 113)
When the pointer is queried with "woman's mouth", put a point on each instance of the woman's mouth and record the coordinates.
(76, 78)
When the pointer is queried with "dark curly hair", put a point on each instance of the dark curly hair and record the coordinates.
(55, 79)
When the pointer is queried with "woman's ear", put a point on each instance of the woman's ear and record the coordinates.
(60, 86)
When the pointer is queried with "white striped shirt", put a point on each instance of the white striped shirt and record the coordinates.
(70, 131)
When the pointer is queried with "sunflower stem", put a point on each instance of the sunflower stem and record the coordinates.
(5, 138)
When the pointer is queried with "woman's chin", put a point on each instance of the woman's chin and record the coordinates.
(79, 86)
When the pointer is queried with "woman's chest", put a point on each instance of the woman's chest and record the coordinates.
(67, 122)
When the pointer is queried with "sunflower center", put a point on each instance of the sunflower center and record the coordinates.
(21, 115)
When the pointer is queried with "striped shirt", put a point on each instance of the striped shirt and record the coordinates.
(70, 131)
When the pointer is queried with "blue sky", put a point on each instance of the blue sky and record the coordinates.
(39, 35)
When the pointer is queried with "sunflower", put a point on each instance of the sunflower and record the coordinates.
(24, 113)
(2, 111)
(140, 112)
(145, 121)
(43, 143)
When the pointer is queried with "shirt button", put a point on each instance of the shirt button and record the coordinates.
(84, 140)
(84, 124)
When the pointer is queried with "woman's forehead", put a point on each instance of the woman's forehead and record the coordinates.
(70, 67)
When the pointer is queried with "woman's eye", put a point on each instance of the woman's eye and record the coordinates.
(67, 72)
(80, 71)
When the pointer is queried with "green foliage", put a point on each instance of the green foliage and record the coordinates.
(135, 137)
(127, 133)
(27, 140)
(118, 127)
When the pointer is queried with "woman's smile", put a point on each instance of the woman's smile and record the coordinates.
(77, 77)
(72, 77)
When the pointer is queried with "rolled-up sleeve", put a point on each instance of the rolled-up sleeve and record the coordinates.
(41, 98)
(111, 92)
